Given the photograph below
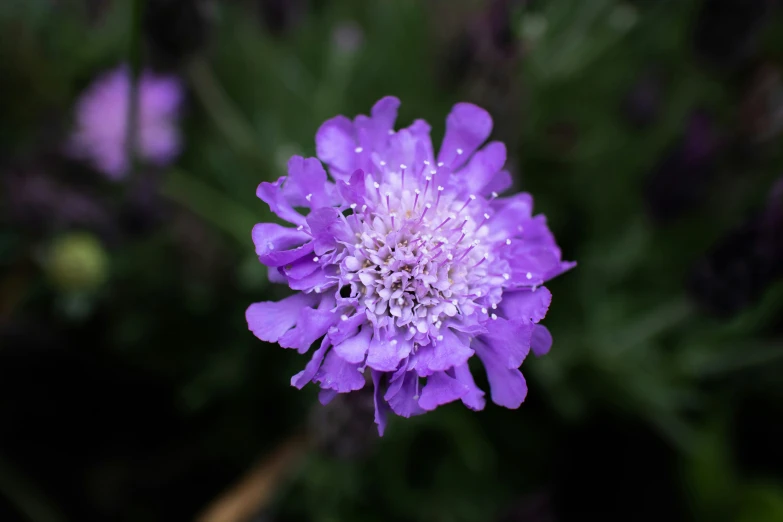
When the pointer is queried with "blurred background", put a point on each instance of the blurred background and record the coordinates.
(648, 131)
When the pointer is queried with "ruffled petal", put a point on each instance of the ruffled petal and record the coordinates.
(269, 320)
(442, 354)
(326, 396)
(541, 341)
(498, 184)
(277, 245)
(302, 378)
(339, 375)
(272, 194)
(385, 354)
(441, 389)
(335, 145)
(510, 215)
(306, 185)
(482, 168)
(405, 399)
(382, 408)
(526, 304)
(354, 349)
(474, 399)
(310, 326)
(467, 127)
(509, 340)
(327, 227)
(507, 386)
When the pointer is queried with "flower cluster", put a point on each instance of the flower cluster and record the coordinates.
(102, 117)
(407, 264)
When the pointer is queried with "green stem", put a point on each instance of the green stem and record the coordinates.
(239, 134)
(209, 204)
(135, 57)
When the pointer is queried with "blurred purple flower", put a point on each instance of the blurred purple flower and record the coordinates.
(101, 121)
(678, 181)
(407, 264)
(735, 273)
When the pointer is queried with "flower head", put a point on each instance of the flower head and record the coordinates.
(101, 121)
(407, 264)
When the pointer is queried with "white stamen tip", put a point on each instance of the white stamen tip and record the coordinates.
(376, 185)
(426, 162)
(412, 330)
(315, 259)
(506, 277)
(393, 342)
(508, 241)
(529, 275)
(440, 188)
(472, 197)
(428, 205)
(478, 292)
(428, 178)
(403, 166)
(417, 192)
(484, 310)
(460, 151)
(449, 257)
(493, 317)
(344, 317)
(358, 150)
(494, 306)
(353, 205)
(440, 164)
(494, 194)
(486, 216)
(433, 172)
(440, 338)
(364, 207)
(383, 163)
(309, 197)
(300, 227)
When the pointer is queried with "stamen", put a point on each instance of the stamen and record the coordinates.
(403, 167)
(443, 223)
(470, 198)
(494, 317)
(309, 197)
(416, 199)
(358, 150)
(529, 275)
(315, 259)
(484, 258)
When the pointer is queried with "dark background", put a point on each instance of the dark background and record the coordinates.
(648, 131)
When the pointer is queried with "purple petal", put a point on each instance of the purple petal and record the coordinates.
(306, 177)
(300, 268)
(467, 127)
(272, 195)
(482, 168)
(302, 378)
(507, 386)
(337, 374)
(541, 341)
(269, 320)
(441, 389)
(449, 352)
(499, 183)
(526, 304)
(277, 245)
(310, 326)
(347, 328)
(319, 280)
(326, 396)
(326, 226)
(335, 145)
(404, 401)
(382, 409)
(510, 216)
(474, 399)
(509, 339)
(355, 348)
(385, 356)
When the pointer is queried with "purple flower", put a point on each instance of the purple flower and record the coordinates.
(101, 122)
(407, 264)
